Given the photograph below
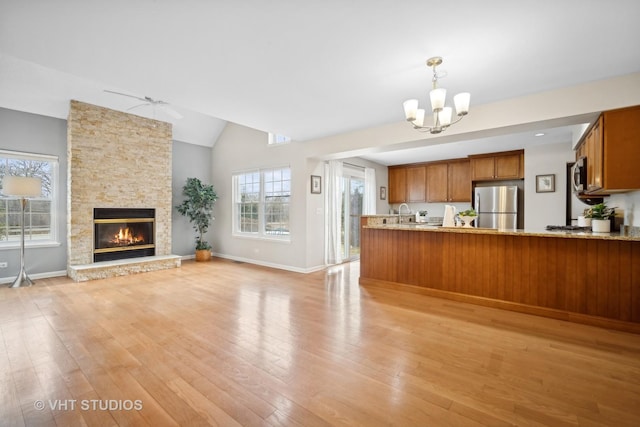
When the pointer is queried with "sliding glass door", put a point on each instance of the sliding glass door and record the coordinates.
(352, 198)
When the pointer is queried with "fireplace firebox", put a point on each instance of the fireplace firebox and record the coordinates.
(121, 233)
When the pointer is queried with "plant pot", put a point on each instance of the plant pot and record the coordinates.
(584, 222)
(600, 225)
(203, 255)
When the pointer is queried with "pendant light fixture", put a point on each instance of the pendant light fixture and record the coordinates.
(441, 114)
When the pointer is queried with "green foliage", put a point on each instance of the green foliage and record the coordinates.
(599, 211)
(468, 212)
(198, 208)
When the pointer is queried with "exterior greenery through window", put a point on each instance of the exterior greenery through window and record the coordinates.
(39, 214)
(261, 203)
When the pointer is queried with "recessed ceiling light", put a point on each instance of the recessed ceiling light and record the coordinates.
(539, 134)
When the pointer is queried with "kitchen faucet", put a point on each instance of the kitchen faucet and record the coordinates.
(400, 211)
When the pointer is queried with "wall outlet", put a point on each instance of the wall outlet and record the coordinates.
(4, 264)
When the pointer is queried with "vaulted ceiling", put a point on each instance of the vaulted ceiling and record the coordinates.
(300, 68)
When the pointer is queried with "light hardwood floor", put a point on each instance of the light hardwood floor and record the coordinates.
(225, 343)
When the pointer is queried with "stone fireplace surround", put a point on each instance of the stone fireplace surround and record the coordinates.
(116, 160)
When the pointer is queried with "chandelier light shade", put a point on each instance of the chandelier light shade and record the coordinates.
(22, 187)
(441, 115)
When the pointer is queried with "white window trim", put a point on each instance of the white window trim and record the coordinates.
(54, 240)
(260, 235)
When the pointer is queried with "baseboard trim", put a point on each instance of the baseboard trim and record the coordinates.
(270, 264)
(35, 276)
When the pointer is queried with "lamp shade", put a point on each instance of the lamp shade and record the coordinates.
(21, 186)
(461, 102)
(410, 108)
(438, 97)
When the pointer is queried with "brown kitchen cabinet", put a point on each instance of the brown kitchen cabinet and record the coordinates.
(397, 184)
(612, 149)
(449, 181)
(416, 183)
(407, 184)
(493, 166)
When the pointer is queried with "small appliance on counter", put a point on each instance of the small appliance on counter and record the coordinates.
(421, 216)
(449, 219)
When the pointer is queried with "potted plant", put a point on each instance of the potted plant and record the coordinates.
(600, 215)
(198, 208)
(467, 217)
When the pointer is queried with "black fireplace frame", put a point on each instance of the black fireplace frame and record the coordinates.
(123, 216)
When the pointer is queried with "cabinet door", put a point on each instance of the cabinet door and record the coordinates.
(397, 185)
(620, 133)
(508, 166)
(416, 183)
(483, 168)
(437, 183)
(597, 153)
(459, 181)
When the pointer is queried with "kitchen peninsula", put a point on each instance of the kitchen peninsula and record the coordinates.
(580, 277)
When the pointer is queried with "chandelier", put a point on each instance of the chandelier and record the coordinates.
(441, 114)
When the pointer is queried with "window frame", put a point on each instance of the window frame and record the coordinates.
(53, 239)
(275, 139)
(262, 233)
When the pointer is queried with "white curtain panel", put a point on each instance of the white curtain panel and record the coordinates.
(333, 206)
(369, 197)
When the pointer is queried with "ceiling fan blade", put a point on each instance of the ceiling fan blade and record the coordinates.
(137, 106)
(126, 94)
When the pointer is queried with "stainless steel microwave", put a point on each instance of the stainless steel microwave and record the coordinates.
(579, 175)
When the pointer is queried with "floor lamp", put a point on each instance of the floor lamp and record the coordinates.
(22, 187)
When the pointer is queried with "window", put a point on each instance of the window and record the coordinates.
(275, 138)
(40, 224)
(261, 203)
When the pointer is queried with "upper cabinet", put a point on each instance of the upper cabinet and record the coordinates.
(495, 166)
(416, 183)
(449, 181)
(407, 183)
(612, 149)
(397, 184)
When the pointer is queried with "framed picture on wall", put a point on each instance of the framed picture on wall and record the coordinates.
(383, 193)
(316, 184)
(545, 183)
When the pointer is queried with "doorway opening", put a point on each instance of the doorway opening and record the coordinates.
(352, 204)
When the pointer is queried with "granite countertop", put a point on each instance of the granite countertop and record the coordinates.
(421, 227)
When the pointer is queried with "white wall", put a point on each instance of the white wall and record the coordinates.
(242, 149)
(629, 205)
(542, 209)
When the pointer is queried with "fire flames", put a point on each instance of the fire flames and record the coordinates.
(126, 237)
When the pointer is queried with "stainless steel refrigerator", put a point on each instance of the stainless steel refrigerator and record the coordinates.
(497, 207)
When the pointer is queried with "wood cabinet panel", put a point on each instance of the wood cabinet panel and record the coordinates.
(437, 182)
(612, 147)
(507, 165)
(539, 275)
(620, 134)
(416, 183)
(483, 168)
(449, 181)
(397, 185)
(460, 181)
